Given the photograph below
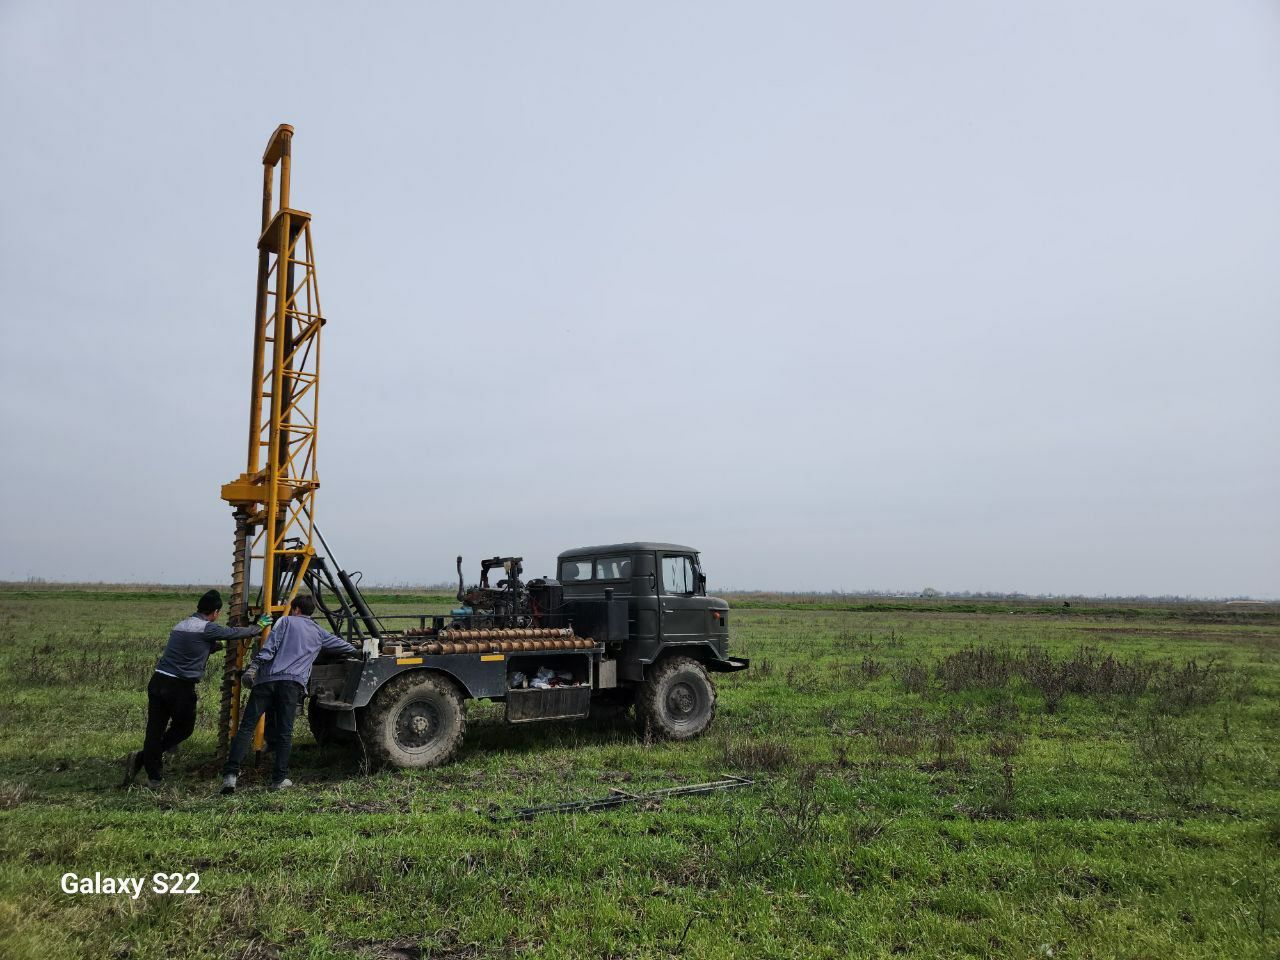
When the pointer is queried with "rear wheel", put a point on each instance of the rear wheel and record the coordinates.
(324, 726)
(416, 720)
(678, 701)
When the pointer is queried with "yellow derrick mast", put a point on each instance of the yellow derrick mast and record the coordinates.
(273, 500)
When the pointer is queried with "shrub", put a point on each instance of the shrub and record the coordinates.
(1086, 673)
(975, 668)
(799, 811)
(1192, 685)
(914, 677)
(1043, 673)
(870, 668)
(894, 744)
(1004, 749)
(757, 754)
(1175, 755)
(943, 731)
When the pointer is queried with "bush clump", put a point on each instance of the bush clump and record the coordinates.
(975, 668)
(757, 754)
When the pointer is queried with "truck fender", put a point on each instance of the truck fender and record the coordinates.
(379, 670)
(704, 653)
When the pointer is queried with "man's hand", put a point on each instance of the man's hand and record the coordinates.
(250, 674)
(265, 621)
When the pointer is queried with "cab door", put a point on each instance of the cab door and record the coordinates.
(684, 613)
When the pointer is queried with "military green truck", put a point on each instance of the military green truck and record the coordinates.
(620, 626)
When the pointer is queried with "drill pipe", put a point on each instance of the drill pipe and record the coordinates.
(527, 633)
(504, 646)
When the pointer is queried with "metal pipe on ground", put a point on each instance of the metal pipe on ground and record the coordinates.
(619, 797)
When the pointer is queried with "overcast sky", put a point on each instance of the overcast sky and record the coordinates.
(969, 295)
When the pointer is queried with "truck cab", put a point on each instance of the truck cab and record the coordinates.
(667, 607)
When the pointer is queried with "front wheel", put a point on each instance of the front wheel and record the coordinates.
(416, 720)
(678, 701)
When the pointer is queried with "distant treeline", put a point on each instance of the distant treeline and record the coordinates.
(869, 599)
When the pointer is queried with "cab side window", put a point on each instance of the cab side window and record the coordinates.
(572, 571)
(613, 568)
(677, 575)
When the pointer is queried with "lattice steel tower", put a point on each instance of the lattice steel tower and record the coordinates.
(273, 500)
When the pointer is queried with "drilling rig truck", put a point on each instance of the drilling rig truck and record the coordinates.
(619, 625)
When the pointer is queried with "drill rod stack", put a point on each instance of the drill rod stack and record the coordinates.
(491, 641)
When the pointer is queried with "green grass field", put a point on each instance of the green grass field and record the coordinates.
(935, 779)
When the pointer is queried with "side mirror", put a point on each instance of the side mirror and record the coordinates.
(702, 581)
(653, 582)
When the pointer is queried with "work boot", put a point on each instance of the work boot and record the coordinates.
(229, 784)
(284, 784)
(132, 764)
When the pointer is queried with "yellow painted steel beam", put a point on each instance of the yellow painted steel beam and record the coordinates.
(275, 495)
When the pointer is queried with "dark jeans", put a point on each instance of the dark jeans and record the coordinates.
(171, 716)
(281, 698)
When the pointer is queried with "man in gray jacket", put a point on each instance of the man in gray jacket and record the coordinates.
(171, 694)
(278, 675)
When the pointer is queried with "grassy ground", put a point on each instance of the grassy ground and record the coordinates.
(935, 780)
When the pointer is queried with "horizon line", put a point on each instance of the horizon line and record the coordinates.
(926, 594)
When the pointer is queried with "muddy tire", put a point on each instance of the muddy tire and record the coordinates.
(678, 701)
(416, 720)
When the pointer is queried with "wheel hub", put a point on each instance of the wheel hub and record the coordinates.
(417, 724)
(682, 701)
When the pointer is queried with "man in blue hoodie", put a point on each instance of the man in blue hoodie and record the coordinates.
(278, 675)
(171, 694)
